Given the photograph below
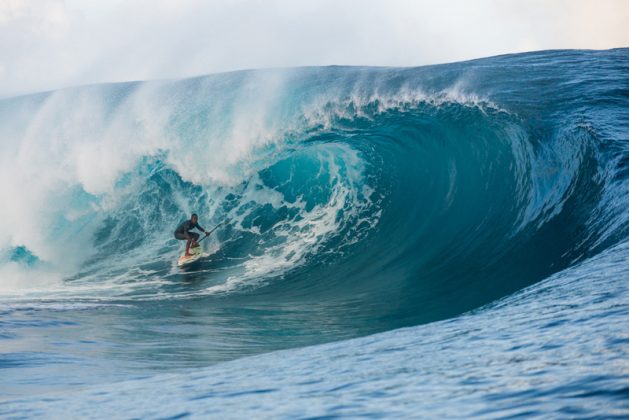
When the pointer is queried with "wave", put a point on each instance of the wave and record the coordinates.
(385, 196)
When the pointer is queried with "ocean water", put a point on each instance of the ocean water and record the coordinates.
(446, 240)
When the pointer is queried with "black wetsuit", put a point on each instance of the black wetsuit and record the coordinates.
(183, 231)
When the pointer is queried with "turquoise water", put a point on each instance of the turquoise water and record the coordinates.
(457, 234)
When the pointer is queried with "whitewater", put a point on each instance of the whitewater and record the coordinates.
(448, 240)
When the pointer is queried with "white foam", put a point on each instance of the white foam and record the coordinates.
(307, 236)
(16, 279)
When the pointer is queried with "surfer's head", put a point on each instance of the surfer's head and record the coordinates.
(194, 218)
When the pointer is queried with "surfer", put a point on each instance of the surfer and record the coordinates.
(183, 233)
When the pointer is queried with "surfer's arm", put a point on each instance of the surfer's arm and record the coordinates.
(200, 228)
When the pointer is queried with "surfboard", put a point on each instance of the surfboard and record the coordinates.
(196, 252)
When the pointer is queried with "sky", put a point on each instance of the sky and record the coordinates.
(51, 44)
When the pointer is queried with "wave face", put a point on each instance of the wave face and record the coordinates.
(359, 200)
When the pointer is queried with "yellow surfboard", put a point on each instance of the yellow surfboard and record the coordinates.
(196, 253)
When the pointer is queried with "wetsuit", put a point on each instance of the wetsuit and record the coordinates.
(183, 231)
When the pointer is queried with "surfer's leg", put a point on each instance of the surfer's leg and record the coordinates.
(187, 254)
(195, 238)
(188, 239)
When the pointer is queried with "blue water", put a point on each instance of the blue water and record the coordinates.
(447, 240)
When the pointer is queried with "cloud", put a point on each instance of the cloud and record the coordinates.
(47, 44)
